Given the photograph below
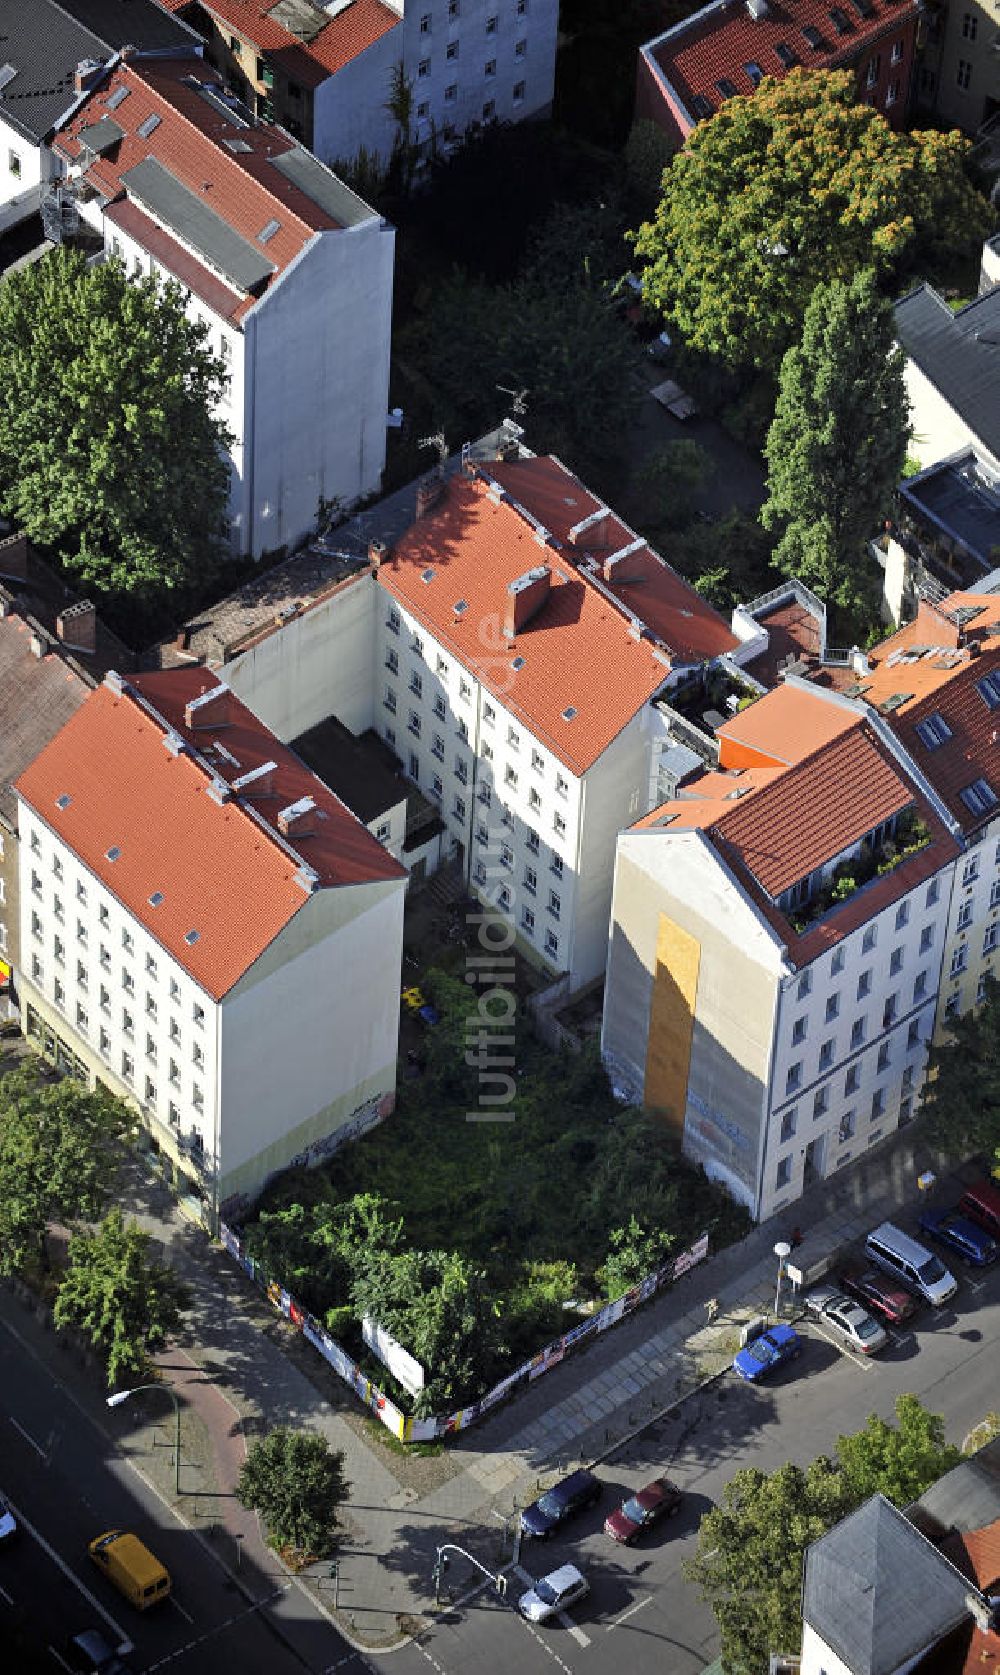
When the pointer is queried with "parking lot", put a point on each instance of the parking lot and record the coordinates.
(640, 1612)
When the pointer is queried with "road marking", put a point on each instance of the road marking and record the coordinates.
(899, 1338)
(39, 1451)
(577, 1632)
(563, 1617)
(8, 1597)
(220, 1628)
(185, 1614)
(844, 1349)
(124, 1643)
(629, 1613)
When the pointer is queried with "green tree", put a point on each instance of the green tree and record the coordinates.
(836, 447)
(124, 1301)
(961, 1098)
(60, 1152)
(109, 454)
(295, 1480)
(670, 481)
(633, 1252)
(437, 1305)
(751, 1547)
(783, 190)
(899, 1461)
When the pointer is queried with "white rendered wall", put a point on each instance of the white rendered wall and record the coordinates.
(614, 794)
(24, 168)
(972, 935)
(937, 431)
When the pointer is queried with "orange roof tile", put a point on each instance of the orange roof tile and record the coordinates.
(577, 653)
(221, 867)
(784, 726)
(358, 26)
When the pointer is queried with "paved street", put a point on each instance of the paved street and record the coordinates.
(640, 1613)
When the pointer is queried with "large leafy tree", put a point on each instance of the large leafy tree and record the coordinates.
(751, 1547)
(961, 1100)
(837, 445)
(109, 454)
(295, 1480)
(781, 190)
(60, 1150)
(122, 1299)
(437, 1305)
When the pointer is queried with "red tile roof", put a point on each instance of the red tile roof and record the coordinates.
(358, 26)
(241, 187)
(221, 866)
(580, 650)
(782, 727)
(717, 42)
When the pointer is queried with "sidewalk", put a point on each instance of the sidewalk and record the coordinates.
(241, 1370)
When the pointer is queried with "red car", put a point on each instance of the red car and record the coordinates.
(660, 1499)
(879, 1293)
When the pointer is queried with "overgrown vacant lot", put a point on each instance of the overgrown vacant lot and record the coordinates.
(467, 1239)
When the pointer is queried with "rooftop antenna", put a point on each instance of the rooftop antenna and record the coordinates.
(518, 400)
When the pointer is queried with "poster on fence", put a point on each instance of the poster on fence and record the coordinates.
(229, 1240)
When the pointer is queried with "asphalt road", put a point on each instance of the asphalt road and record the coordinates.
(640, 1615)
(66, 1484)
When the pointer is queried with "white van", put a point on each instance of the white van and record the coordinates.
(896, 1253)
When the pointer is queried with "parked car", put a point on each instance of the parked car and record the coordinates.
(90, 1654)
(572, 1494)
(881, 1295)
(8, 1523)
(766, 1353)
(659, 1499)
(846, 1318)
(961, 1235)
(981, 1203)
(553, 1593)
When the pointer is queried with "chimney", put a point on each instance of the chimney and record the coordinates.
(213, 709)
(429, 492)
(86, 74)
(76, 626)
(298, 819)
(14, 557)
(859, 661)
(508, 448)
(38, 643)
(593, 527)
(256, 782)
(181, 640)
(525, 598)
(378, 552)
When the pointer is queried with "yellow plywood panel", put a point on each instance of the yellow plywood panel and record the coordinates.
(671, 1019)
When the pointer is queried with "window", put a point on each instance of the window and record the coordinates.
(128, 981)
(510, 777)
(128, 1023)
(851, 1081)
(800, 1029)
(81, 974)
(878, 1104)
(788, 1124)
(198, 1101)
(425, 24)
(416, 684)
(174, 1073)
(534, 800)
(459, 809)
(991, 937)
(461, 770)
(531, 842)
(895, 961)
(896, 55)
(869, 939)
(753, 72)
(784, 1174)
(482, 833)
(933, 731)
(392, 660)
(964, 915)
(951, 1005)
(559, 825)
(489, 714)
(423, 109)
(528, 920)
(832, 1007)
(562, 785)
(14, 163)
(551, 945)
(491, 68)
(519, 100)
(826, 1055)
(392, 620)
(414, 724)
(58, 910)
(858, 1032)
(913, 1034)
(963, 74)
(479, 872)
(485, 795)
(464, 690)
(892, 93)
(794, 1076)
(902, 915)
(441, 666)
(128, 1067)
(104, 998)
(959, 959)
(883, 1057)
(981, 987)
(127, 942)
(846, 1129)
(59, 949)
(198, 1015)
(555, 904)
(805, 985)
(81, 929)
(37, 972)
(557, 865)
(451, 93)
(36, 927)
(151, 1049)
(864, 984)
(521, 7)
(530, 880)
(81, 1018)
(873, 69)
(175, 989)
(919, 986)
(440, 708)
(198, 1055)
(102, 913)
(491, 26)
(933, 892)
(970, 872)
(451, 51)
(837, 962)
(81, 891)
(57, 867)
(151, 967)
(437, 747)
(970, 26)
(995, 893)
(821, 1103)
(926, 938)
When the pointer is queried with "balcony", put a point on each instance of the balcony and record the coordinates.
(871, 862)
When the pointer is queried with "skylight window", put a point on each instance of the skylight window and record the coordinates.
(702, 107)
(989, 689)
(117, 98)
(268, 232)
(568, 713)
(864, 8)
(460, 607)
(840, 20)
(518, 663)
(156, 898)
(785, 54)
(191, 937)
(813, 36)
(63, 801)
(979, 797)
(113, 853)
(427, 576)
(727, 88)
(149, 126)
(754, 71)
(933, 731)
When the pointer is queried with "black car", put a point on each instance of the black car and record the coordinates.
(571, 1495)
(90, 1654)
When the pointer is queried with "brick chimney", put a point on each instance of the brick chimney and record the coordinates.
(86, 74)
(76, 626)
(378, 552)
(298, 819)
(525, 598)
(14, 557)
(214, 709)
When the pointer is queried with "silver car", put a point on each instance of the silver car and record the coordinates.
(553, 1593)
(846, 1318)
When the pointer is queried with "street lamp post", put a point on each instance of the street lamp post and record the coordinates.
(123, 1396)
(782, 1251)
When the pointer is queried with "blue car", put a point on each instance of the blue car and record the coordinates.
(771, 1350)
(960, 1234)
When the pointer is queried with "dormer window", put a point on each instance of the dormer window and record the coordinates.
(933, 730)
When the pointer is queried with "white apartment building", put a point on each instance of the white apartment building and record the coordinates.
(777, 1017)
(327, 72)
(208, 932)
(289, 272)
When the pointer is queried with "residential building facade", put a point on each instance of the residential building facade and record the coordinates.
(209, 932)
(952, 372)
(958, 74)
(330, 74)
(287, 270)
(729, 47)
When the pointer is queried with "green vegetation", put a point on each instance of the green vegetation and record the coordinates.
(479, 1230)
(961, 1099)
(295, 1480)
(789, 189)
(125, 1302)
(837, 444)
(910, 836)
(670, 481)
(109, 457)
(751, 1547)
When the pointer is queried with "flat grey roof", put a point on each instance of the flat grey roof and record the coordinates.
(321, 185)
(193, 221)
(358, 768)
(101, 136)
(960, 500)
(960, 354)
